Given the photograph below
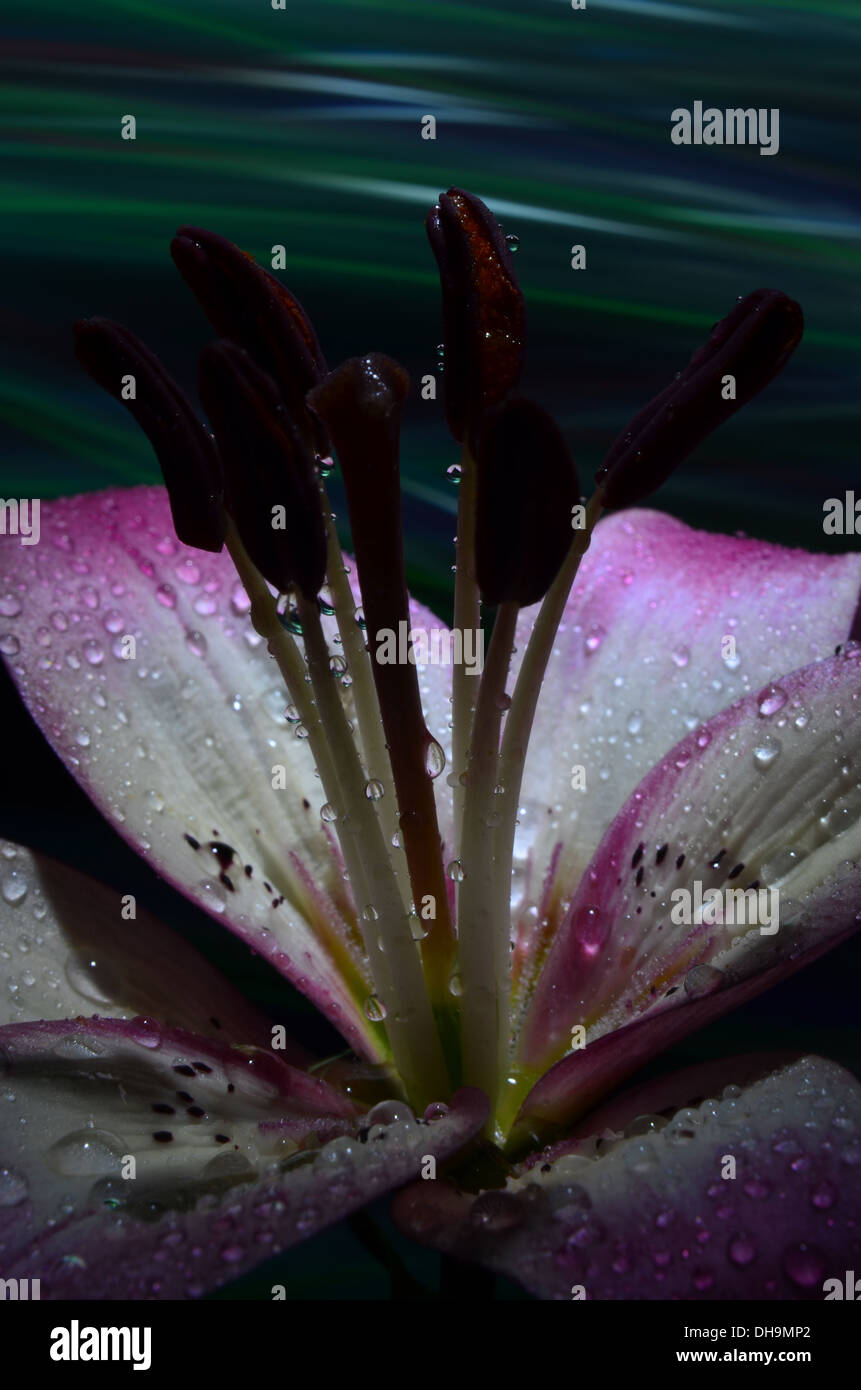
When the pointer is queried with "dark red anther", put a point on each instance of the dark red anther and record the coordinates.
(120, 363)
(271, 486)
(526, 489)
(245, 303)
(752, 344)
(484, 317)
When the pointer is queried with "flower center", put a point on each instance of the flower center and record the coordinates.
(434, 918)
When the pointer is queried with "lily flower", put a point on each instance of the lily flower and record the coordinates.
(507, 890)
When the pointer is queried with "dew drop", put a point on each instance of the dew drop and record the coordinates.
(389, 1112)
(702, 980)
(370, 913)
(771, 700)
(85, 1153)
(594, 638)
(434, 759)
(10, 607)
(166, 595)
(454, 471)
(9, 644)
(188, 572)
(14, 887)
(374, 789)
(741, 1251)
(455, 985)
(496, 1212)
(635, 721)
(328, 813)
(681, 656)
(196, 642)
(592, 928)
(766, 751)
(213, 895)
(804, 1265)
(90, 978)
(824, 1195)
(374, 1009)
(455, 871)
(13, 1187)
(94, 652)
(239, 601)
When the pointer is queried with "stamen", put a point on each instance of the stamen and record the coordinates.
(272, 491)
(392, 954)
(752, 344)
(371, 733)
(484, 319)
(245, 303)
(120, 363)
(484, 332)
(361, 405)
(527, 489)
(522, 535)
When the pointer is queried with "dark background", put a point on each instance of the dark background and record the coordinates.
(303, 127)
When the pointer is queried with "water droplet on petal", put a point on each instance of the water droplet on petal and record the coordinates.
(374, 1009)
(196, 642)
(374, 790)
(389, 1112)
(328, 813)
(90, 978)
(239, 600)
(10, 607)
(13, 1187)
(681, 656)
(766, 751)
(741, 1250)
(14, 887)
(86, 1152)
(496, 1211)
(804, 1265)
(702, 980)
(166, 595)
(592, 928)
(455, 871)
(9, 644)
(594, 638)
(824, 1195)
(771, 700)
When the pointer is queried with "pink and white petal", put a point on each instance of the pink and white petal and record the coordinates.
(761, 798)
(657, 1216)
(641, 658)
(68, 945)
(83, 1096)
(241, 1176)
(177, 746)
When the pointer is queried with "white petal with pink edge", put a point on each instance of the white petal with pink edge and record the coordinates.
(665, 627)
(177, 745)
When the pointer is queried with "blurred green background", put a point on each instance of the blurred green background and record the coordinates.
(303, 127)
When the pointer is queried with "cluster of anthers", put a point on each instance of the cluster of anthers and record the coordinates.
(434, 919)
